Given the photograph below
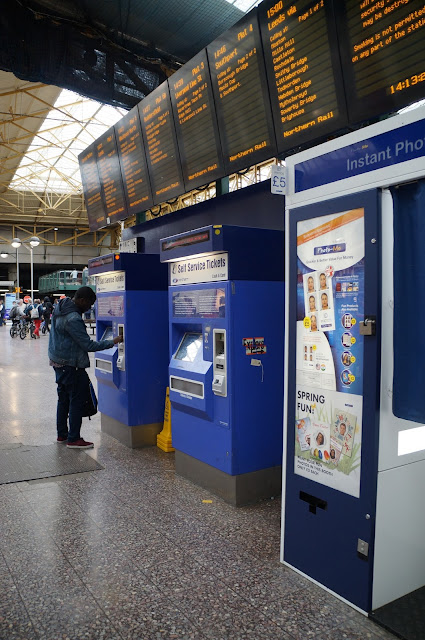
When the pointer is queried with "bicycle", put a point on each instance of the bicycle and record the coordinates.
(27, 328)
(14, 329)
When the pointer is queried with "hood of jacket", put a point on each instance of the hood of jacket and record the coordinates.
(66, 306)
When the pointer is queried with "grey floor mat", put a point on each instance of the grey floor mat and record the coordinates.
(405, 617)
(20, 463)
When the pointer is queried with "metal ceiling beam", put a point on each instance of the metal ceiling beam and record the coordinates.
(25, 232)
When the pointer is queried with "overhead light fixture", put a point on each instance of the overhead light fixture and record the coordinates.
(16, 243)
(55, 229)
(34, 241)
(3, 254)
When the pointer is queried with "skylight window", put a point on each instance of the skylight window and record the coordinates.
(51, 161)
(244, 5)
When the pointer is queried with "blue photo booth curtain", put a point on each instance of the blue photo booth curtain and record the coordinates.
(409, 301)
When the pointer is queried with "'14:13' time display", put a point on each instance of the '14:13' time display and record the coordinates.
(408, 82)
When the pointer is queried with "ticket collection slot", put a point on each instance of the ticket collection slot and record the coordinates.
(219, 385)
(121, 349)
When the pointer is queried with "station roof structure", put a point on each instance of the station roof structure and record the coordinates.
(68, 71)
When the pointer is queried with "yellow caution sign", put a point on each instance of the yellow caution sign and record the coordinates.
(163, 439)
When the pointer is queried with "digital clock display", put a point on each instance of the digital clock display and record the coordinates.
(383, 54)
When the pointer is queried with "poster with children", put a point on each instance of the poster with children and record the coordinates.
(343, 430)
(303, 433)
(329, 349)
(328, 435)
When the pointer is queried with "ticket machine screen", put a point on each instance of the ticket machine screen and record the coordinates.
(108, 334)
(189, 347)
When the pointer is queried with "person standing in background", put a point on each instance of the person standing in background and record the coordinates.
(20, 310)
(2, 312)
(37, 316)
(48, 310)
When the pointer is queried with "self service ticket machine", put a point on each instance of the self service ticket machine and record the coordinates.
(353, 517)
(131, 301)
(226, 368)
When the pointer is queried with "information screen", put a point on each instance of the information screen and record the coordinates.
(91, 188)
(383, 54)
(186, 241)
(161, 145)
(196, 122)
(303, 70)
(108, 334)
(241, 95)
(110, 176)
(189, 347)
(132, 159)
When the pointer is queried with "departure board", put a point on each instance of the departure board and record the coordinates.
(92, 188)
(161, 145)
(196, 123)
(241, 95)
(383, 54)
(110, 177)
(132, 159)
(303, 70)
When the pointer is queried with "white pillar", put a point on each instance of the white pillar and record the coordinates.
(32, 274)
(17, 274)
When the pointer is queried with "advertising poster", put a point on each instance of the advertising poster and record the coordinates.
(9, 299)
(329, 350)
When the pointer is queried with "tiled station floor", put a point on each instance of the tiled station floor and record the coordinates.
(132, 551)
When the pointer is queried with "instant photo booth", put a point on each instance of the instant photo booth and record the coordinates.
(354, 473)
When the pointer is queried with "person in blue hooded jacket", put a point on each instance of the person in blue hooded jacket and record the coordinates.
(69, 344)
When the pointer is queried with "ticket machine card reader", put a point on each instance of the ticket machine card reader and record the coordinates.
(121, 349)
(219, 384)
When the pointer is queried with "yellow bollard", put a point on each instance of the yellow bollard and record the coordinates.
(163, 439)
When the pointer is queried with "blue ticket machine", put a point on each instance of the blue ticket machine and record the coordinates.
(131, 294)
(226, 317)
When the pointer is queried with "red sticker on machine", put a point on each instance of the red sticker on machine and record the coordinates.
(248, 344)
(259, 346)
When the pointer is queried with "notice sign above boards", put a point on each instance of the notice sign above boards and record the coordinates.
(110, 176)
(161, 145)
(303, 70)
(113, 281)
(382, 53)
(196, 122)
(133, 163)
(208, 268)
(92, 189)
(241, 95)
